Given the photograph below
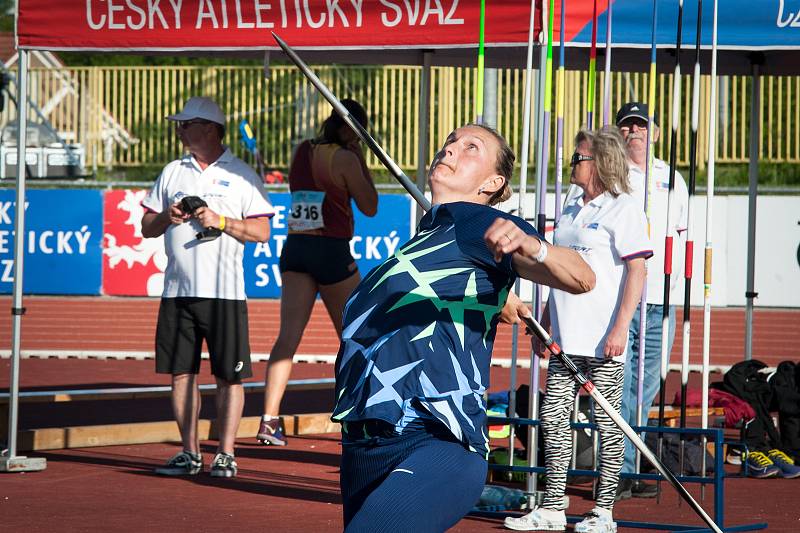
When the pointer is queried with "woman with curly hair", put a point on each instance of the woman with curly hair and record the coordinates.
(609, 229)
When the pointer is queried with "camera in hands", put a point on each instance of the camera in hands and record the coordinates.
(190, 204)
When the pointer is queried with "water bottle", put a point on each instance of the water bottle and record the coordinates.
(497, 498)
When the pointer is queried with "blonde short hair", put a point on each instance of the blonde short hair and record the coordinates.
(608, 150)
(503, 166)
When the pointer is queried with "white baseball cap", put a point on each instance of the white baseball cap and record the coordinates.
(200, 107)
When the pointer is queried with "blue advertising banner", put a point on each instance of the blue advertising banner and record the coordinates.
(63, 234)
(375, 239)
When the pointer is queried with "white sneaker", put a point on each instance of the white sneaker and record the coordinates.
(539, 519)
(224, 465)
(597, 521)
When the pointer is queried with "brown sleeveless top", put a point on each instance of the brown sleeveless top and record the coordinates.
(337, 212)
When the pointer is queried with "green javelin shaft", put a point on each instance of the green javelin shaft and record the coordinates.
(541, 213)
(546, 112)
(560, 114)
(592, 70)
(481, 30)
(548, 81)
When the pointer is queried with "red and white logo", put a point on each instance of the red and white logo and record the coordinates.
(132, 265)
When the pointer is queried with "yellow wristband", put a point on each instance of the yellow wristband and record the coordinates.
(222, 222)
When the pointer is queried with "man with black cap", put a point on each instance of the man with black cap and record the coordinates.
(632, 121)
(206, 205)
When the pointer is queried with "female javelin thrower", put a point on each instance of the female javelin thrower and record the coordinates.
(610, 229)
(417, 342)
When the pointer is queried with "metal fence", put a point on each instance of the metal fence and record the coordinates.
(118, 113)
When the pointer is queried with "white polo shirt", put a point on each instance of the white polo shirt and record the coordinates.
(207, 269)
(657, 199)
(606, 232)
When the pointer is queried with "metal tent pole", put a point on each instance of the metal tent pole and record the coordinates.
(541, 193)
(755, 132)
(12, 462)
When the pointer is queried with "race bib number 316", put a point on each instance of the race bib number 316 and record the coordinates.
(306, 212)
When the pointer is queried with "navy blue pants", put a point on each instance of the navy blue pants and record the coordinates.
(421, 481)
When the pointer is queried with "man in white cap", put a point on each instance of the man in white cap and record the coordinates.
(632, 121)
(206, 205)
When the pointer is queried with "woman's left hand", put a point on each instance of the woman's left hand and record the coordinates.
(505, 237)
(615, 343)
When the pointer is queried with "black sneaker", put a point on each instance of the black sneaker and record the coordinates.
(224, 465)
(272, 432)
(623, 489)
(184, 463)
(640, 489)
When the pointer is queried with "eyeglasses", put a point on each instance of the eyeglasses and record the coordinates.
(183, 124)
(577, 158)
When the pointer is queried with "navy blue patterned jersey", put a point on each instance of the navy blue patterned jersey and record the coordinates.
(418, 330)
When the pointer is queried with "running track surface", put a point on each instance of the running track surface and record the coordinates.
(282, 489)
(290, 489)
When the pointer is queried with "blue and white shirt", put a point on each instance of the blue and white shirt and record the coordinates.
(418, 331)
(607, 231)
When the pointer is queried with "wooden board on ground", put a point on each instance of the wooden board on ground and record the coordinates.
(153, 432)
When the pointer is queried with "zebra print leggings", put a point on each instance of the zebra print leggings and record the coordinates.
(607, 376)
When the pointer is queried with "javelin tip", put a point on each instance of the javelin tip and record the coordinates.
(280, 41)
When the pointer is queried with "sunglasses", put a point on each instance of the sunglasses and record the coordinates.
(577, 158)
(628, 124)
(183, 124)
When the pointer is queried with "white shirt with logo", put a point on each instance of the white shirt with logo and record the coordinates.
(207, 269)
(607, 231)
(657, 199)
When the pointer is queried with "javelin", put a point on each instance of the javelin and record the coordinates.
(712, 145)
(541, 218)
(651, 106)
(560, 116)
(541, 195)
(689, 240)
(668, 238)
(532, 324)
(479, 96)
(363, 134)
(592, 70)
(607, 71)
(544, 138)
(533, 403)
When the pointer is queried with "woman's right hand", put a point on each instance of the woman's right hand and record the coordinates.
(514, 310)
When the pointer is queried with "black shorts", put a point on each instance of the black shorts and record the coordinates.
(183, 324)
(325, 259)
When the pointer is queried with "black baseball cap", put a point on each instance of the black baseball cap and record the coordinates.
(634, 110)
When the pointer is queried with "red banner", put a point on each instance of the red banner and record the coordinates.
(132, 265)
(246, 24)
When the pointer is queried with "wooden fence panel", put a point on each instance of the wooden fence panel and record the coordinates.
(98, 106)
